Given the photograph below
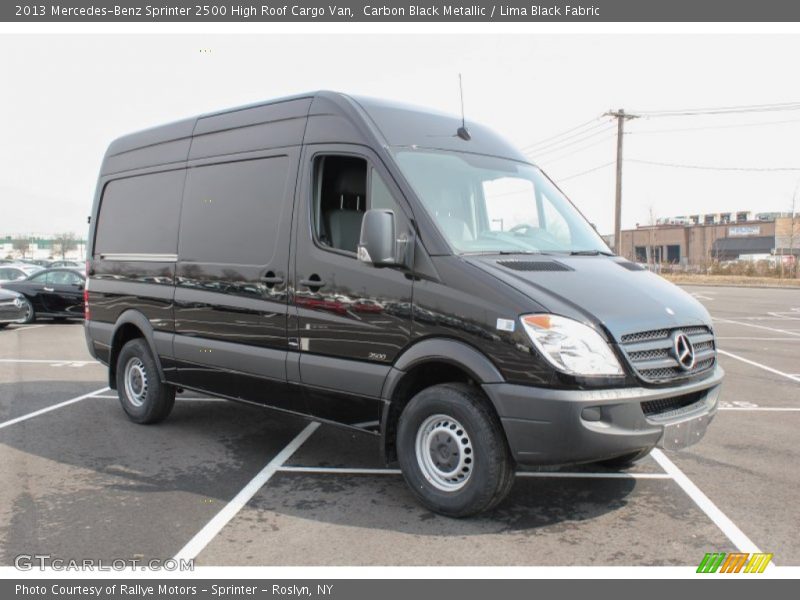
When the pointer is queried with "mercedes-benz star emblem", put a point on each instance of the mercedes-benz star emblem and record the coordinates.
(684, 351)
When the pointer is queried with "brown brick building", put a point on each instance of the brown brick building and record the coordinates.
(696, 243)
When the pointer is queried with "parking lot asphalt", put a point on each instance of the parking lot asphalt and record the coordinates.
(230, 484)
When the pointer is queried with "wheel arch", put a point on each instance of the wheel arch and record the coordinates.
(131, 325)
(429, 362)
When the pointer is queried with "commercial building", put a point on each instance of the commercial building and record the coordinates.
(701, 239)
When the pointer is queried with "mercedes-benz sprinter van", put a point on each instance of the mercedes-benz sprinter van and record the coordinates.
(381, 267)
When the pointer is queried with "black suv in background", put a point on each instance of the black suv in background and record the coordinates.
(379, 267)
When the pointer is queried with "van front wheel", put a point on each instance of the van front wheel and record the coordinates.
(144, 398)
(452, 451)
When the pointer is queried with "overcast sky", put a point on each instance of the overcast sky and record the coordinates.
(64, 98)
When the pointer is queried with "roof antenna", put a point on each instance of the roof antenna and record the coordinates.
(462, 131)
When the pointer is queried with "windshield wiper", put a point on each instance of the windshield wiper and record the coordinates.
(507, 252)
(589, 253)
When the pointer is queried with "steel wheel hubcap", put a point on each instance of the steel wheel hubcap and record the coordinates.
(444, 453)
(135, 381)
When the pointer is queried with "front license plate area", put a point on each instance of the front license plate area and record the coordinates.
(684, 433)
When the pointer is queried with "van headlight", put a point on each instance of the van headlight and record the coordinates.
(570, 346)
(18, 301)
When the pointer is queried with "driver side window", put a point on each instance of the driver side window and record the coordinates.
(345, 187)
(39, 277)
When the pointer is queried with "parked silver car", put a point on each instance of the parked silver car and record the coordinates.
(17, 271)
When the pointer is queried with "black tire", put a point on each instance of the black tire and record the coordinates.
(30, 313)
(490, 473)
(155, 399)
(3, 325)
(626, 461)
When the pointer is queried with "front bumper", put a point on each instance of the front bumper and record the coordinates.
(559, 427)
(9, 313)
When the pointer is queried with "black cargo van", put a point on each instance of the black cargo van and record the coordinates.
(379, 267)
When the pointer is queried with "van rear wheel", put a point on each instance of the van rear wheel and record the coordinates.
(452, 451)
(144, 397)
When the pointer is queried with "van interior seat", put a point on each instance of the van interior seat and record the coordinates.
(448, 213)
(344, 222)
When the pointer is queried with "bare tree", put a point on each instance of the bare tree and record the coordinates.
(21, 245)
(792, 224)
(65, 242)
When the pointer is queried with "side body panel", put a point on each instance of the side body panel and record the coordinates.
(232, 273)
(126, 272)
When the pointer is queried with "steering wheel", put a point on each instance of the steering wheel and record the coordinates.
(541, 236)
(523, 229)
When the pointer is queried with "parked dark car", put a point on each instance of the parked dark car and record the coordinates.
(12, 308)
(380, 267)
(52, 293)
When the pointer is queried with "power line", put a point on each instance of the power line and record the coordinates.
(721, 110)
(710, 127)
(558, 146)
(563, 133)
(577, 150)
(592, 170)
(711, 168)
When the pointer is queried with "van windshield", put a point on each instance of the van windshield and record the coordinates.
(485, 204)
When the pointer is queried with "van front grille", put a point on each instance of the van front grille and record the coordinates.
(666, 408)
(653, 355)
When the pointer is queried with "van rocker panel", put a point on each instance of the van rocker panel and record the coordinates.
(262, 362)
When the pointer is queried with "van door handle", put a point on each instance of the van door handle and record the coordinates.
(312, 282)
(272, 280)
(47, 289)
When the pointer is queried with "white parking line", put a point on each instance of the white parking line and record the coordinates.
(786, 331)
(759, 365)
(230, 510)
(728, 527)
(556, 474)
(178, 398)
(596, 475)
(44, 361)
(764, 408)
(24, 327)
(50, 361)
(50, 408)
(758, 339)
(339, 470)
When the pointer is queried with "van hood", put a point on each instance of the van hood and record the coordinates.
(602, 290)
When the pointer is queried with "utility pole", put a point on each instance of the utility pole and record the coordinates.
(621, 117)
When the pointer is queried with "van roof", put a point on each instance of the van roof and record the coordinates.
(376, 121)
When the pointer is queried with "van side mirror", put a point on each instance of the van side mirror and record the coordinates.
(378, 244)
